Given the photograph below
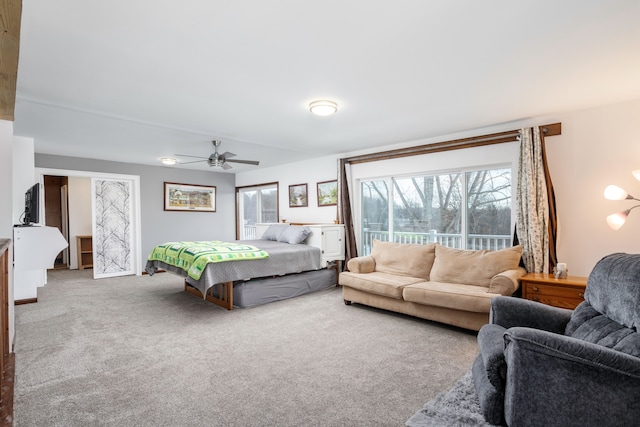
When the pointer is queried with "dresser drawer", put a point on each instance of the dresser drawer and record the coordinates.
(558, 296)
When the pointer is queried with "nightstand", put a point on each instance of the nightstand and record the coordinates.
(545, 288)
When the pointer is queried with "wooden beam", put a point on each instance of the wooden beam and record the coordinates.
(10, 14)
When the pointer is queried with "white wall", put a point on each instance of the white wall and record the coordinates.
(598, 147)
(79, 214)
(26, 282)
(23, 173)
(309, 172)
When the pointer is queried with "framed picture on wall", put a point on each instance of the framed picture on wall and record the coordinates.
(328, 193)
(298, 196)
(189, 197)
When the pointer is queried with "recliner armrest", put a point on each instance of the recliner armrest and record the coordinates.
(491, 344)
(592, 384)
(510, 311)
(362, 264)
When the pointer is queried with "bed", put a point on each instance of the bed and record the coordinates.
(295, 265)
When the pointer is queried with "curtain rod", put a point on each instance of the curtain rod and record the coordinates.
(456, 144)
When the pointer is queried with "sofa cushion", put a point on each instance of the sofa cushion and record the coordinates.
(403, 259)
(473, 267)
(450, 295)
(590, 325)
(385, 284)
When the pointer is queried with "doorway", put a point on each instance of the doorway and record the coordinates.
(79, 178)
(56, 207)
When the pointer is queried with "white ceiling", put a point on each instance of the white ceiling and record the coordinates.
(136, 80)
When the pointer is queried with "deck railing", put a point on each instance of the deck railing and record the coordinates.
(249, 232)
(474, 241)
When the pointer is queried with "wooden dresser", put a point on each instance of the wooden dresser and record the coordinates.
(7, 358)
(544, 288)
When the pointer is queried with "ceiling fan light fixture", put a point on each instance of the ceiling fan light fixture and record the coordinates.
(323, 107)
(170, 161)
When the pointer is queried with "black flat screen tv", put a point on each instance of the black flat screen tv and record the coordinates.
(32, 205)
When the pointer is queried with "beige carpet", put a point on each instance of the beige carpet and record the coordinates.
(139, 351)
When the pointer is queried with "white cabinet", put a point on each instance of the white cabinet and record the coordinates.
(330, 240)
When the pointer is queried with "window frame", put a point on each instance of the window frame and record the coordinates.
(463, 171)
(240, 207)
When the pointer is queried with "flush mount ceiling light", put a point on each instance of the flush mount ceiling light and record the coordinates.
(323, 107)
(168, 161)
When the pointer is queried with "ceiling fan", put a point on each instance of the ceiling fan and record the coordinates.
(219, 160)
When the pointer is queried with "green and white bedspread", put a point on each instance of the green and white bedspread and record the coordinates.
(193, 257)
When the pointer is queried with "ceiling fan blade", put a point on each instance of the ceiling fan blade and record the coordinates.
(195, 161)
(225, 166)
(227, 154)
(246, 162)
(186, 155)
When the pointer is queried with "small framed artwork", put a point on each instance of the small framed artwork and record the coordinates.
(328, 193)
(298, 196)
(189, 197)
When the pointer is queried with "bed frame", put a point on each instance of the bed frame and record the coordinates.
(329, 238)
(223, 299)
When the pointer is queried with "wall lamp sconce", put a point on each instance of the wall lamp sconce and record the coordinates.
(613, 192)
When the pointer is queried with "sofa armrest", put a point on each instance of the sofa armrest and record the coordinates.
(507, 282)
(362, 264)
(511, 311)
(585, 383)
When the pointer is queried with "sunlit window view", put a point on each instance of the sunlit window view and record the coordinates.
(257, 205)
(464, 210)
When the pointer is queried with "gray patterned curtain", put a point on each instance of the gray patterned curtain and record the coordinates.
(535, 210)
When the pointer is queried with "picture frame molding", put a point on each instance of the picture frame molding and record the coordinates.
(206, 189)
(305, 195)
(331, 184)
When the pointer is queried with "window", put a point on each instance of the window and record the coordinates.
(257, 204)
(462, 209)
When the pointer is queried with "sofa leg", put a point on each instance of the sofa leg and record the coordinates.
(347, 302)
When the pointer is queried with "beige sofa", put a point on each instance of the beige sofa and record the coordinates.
(432, 281)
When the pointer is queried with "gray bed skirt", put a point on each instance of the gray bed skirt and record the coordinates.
(265, 290)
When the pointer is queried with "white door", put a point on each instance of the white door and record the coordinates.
(113, 220)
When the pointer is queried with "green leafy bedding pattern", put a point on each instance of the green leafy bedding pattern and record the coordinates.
(193, 257)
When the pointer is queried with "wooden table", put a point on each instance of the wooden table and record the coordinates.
(545, 288)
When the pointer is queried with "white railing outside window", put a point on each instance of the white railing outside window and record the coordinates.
(475, 241)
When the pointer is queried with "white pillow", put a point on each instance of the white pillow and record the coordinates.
(294, 234)
(274, 231)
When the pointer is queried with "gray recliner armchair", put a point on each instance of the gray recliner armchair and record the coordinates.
(546, 366)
